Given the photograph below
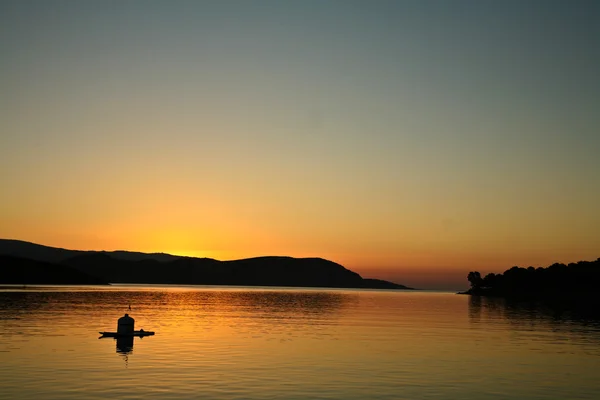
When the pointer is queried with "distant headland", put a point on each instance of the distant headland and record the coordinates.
(574, 279)
(29, 263)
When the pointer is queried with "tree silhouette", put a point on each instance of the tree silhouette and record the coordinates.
(475, 279)
(557, 280)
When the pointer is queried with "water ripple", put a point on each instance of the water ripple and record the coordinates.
(289, 344)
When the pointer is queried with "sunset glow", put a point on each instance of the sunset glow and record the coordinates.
(409, 141)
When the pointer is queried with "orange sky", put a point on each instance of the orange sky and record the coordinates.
(400, 140)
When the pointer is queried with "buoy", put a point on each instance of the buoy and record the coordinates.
(125, 325)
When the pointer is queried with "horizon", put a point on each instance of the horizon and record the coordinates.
(407, 141)
(410, 278)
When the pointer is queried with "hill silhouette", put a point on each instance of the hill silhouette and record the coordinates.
(40, 252)
(23, 271)
(160, 268)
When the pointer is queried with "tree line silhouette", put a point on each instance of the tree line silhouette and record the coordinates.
(575, 279)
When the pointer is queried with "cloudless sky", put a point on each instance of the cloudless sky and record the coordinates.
(407, 140)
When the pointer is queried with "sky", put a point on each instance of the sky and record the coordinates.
(406, 140)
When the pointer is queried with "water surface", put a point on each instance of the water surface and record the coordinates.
(242, 343)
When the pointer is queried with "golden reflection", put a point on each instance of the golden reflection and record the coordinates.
(124, 347)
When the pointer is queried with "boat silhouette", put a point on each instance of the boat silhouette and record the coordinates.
(140, 333)
(125, 328)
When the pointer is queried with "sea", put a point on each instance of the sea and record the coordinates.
(284, 343)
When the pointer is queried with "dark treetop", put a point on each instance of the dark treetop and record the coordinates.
(574, 286)
(557, 279)
(558, 290)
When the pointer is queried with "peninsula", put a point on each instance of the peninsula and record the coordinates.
(557, 280)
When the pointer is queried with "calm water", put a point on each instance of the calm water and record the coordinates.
(239, 343)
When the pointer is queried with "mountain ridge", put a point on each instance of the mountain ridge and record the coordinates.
(122, 266)
(25, 271)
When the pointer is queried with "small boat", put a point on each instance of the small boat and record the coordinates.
(125, 329)
(140, 333)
